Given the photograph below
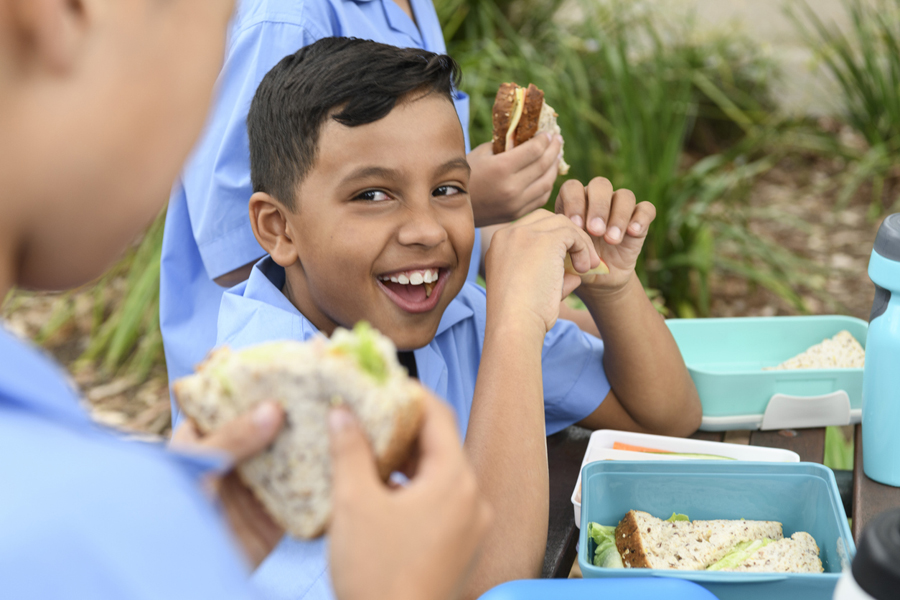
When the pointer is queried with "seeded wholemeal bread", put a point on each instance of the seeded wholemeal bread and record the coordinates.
(796, 554)
(358, 369)
(643, 541)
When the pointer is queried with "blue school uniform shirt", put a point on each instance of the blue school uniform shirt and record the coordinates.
(84, 514)
(207, 231)
(573, 377)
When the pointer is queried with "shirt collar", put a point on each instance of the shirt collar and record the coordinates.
(263, 290)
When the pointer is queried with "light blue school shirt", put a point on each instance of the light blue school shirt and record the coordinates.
(84, 514)
(207, 231)
(572, 363)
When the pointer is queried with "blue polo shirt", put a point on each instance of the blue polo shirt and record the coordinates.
(84, 514)
(572, 363)
(208, 230)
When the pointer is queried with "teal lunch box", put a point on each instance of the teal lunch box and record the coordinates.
(802, 496)
(726, 357)
(631, 589)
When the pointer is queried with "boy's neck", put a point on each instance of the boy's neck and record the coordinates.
(301, 300)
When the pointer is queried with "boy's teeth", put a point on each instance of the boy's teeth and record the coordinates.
(429, 287)
(419, 277)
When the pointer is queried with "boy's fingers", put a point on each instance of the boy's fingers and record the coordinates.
(599, 199)
(644, 213)
(620, 213)
(439, 443)
(248, 434)
(527, 153)
(549, 159)
(581, 248)
(185, 434)
(352, 462)
(539, 191)
(572, 202)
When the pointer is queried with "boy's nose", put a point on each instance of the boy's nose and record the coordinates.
(421, 227)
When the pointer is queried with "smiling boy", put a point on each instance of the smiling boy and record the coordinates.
(361, 201)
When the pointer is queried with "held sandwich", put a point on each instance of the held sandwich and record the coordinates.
(519, 114)
(358, 369)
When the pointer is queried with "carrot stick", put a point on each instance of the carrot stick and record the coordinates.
(630, 448)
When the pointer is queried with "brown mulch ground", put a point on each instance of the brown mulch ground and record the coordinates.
(799, 187)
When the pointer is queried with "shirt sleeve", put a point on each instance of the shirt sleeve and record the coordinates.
(575, 382)
(118, 528)
(217, 177)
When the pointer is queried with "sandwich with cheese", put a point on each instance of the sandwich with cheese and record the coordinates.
(519, 114)
(358, 369)
(641, 540)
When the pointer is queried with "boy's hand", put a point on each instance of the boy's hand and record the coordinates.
(616, 224)
(524, 268)
(411, 542)
(240, 439)
(505, 186)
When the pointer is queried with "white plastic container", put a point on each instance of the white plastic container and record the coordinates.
(600, 447)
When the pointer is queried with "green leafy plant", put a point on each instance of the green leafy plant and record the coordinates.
(629, 95)
(865, 62)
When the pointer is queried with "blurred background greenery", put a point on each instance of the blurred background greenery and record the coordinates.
(686, 121)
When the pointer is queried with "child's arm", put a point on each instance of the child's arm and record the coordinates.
(506, 435)
(651, 388)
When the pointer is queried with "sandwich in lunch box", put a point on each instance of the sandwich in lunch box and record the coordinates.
(643, 541)
(358, 369)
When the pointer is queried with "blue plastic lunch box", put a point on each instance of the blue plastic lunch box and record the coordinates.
(802, 496)
(631, 589)
(726, 359)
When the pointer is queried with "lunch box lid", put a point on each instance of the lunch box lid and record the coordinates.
(727, 359)
(632, 589)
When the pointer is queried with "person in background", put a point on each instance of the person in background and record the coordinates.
(100, 101)
(208, 243)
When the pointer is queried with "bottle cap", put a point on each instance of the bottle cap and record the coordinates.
(887, 242)
(876, 567)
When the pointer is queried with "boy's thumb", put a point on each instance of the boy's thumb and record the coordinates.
(352, 460)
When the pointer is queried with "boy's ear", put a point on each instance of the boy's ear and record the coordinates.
(51, 33)
(268, 217)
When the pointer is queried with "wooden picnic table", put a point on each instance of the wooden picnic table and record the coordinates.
(565, 451)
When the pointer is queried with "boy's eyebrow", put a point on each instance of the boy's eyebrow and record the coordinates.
(456, 163)
(385, 173)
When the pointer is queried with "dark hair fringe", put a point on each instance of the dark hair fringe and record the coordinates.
(353, 81)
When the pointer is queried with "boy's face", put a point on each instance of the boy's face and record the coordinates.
(105, 124)
(383, 229)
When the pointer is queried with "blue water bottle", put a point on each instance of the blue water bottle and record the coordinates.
(881, 376)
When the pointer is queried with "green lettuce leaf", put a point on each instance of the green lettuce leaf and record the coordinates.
(362, 344)
(677, 517)
(605, 554)
(738, 555)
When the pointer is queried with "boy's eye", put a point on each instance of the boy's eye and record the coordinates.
(373, 196)
(447, 190)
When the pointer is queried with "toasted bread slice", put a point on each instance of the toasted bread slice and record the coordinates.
(796, 554)
(292, 478)
(502, 114)
(644, 541)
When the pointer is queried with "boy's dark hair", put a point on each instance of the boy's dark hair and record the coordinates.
(353, 81)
